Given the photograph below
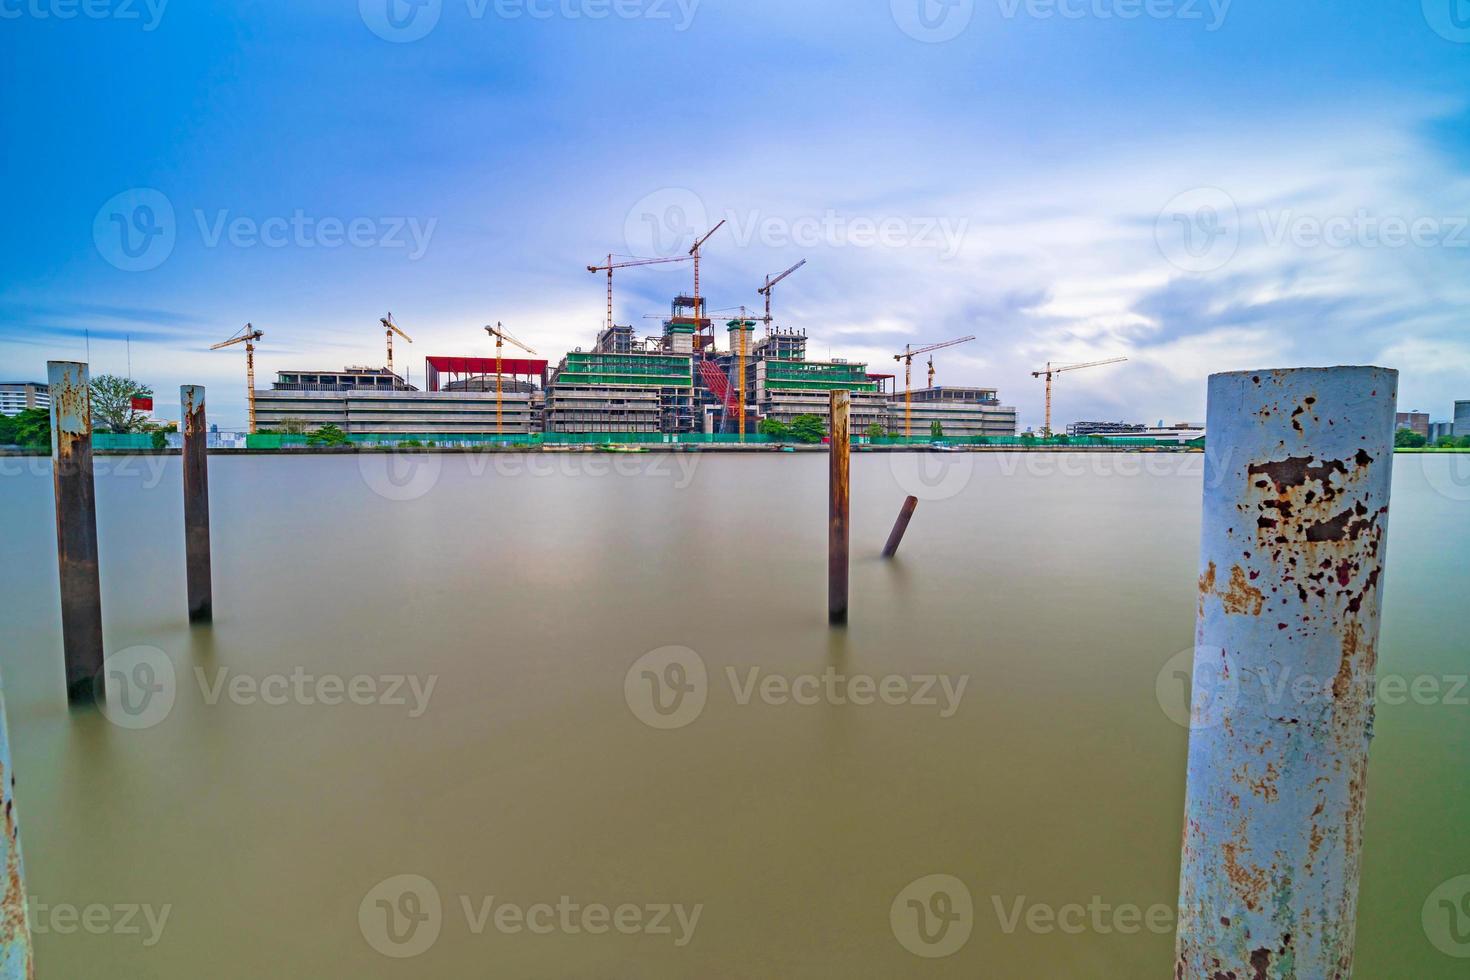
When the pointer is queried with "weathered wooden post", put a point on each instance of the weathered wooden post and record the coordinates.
(1296, 495)
(837, 513)
(196, 502)
(76, 526)
(15, 929)
(900, 527)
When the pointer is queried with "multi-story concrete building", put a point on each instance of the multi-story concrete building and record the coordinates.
(17, 396)
(1440, 430)
(960, 411)
(367, 401)
(785, 389)
(601, 391)
(1462, 418)
(1414, 422)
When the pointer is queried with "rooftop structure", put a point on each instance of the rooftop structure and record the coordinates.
(347, 379)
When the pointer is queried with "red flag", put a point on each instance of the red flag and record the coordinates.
(143, 404)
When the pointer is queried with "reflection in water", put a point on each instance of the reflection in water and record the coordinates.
(413, 711)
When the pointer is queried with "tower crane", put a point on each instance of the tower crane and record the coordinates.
(931, 370)
(766, 289)
(694, 251)
(610, 265)
(247, 336)
(907, 356)
(1051, 372)
(500, 338)
(391, 328)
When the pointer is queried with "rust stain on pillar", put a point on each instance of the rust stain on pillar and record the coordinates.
(1297, 479)
(838, 513)
(196, 503)
(76, 526)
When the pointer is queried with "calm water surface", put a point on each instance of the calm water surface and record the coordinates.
(1058, 590)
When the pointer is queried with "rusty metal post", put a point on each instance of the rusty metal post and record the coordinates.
(900, 526)
(76, 526)
(1296, 499)
(838, 510)
(16, 962)
(196, 502)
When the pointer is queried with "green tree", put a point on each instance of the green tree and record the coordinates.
(112, 403)
(327, 435)
(808, 428)
(1408, 439)
(774, 428)
(875, 431)
(30, 427)
(936, 429)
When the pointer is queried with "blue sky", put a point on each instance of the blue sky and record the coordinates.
(1199, 185)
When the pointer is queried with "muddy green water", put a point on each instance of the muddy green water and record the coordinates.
(272, 828)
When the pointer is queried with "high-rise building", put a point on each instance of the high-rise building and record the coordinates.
(1462, 418)
(17, 396)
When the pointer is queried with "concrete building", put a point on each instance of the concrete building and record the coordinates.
(369, 401)
(960, 411)
(17, 396)
(1440, 430)
(601, 391)
(1413, 421)
(785, 389)
(1462, 418)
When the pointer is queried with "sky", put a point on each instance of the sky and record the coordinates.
(1196, 185)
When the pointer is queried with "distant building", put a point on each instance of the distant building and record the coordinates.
(785, 389)
(368, 401)
(603, 391)
(1462, 418)
(1440, 430)
(1414, 422)
(1106, 428)
(960, 412)
(17, 396)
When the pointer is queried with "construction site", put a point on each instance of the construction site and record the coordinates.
(727, 374)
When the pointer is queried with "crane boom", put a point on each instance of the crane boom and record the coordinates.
(631, 263)
(390, 328)
(1051, 372)
(766, 289)
(694, 253)
(907, 356)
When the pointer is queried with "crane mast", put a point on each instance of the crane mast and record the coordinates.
(390, 328)
(694, 251)
(500, 338)
(766, 289)
(247, 336)
(907, 355)
(610, 265)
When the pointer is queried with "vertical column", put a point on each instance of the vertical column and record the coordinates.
(76, 526)
(196, 502)
(837, 513)
(16, 961)
(1296, 500)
